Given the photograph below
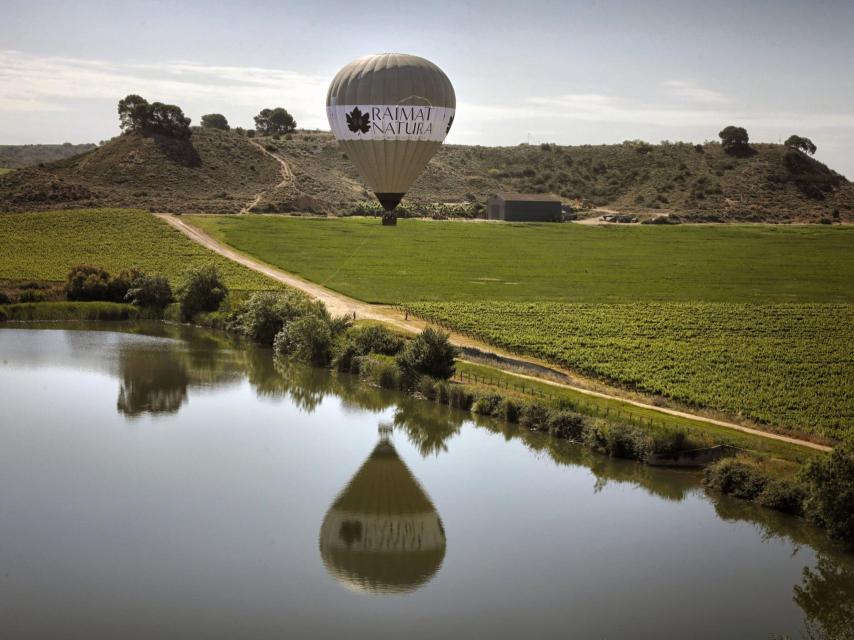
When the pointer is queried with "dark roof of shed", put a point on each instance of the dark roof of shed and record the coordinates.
(527, 197)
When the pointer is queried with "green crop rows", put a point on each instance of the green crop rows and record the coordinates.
(43, 246)
(789, 366)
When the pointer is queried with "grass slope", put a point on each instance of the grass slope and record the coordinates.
(447, 261)
(788, 366)
(45, 245)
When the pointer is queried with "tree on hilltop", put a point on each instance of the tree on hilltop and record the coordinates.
(215, 121)
(735, 140)
(272, 121)
(804, 144)
(136, 115)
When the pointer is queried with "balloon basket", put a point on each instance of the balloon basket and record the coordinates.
(389, 219)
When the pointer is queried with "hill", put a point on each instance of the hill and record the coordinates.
(224, 172)
(25, 155)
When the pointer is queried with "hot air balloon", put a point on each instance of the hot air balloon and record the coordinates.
(390, 112)
(382, 534)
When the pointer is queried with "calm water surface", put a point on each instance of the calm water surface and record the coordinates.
(159, 482)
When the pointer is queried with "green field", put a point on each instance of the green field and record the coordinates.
(789, 366)
(445, 261)
(45, 245)
(754, 321)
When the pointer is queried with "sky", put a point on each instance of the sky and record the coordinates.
(526, 71)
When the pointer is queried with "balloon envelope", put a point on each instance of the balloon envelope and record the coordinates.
(390, 112)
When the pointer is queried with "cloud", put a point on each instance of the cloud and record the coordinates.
(37, 83)
(604, 108)
(693, 93)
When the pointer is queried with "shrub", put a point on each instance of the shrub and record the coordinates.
(4, 299)
(264, 314)
(534, 416)
(783, 495)
(671, 440)
(29, 295)
(346, 356)
(427, 387)
(509, 410)
(487, 405)
(566, 424)
(443, 392)
(429, 353)
(627, 441)
(119, 285)
(459, 397)
(380, 371)
(87, 282)
(735, 477)
(201, 290)
(307, 339)
(594, 437)
(829, 483)
(377, 339)
(150, 292)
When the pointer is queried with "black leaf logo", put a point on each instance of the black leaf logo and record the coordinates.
(450, 122)
(358, 121)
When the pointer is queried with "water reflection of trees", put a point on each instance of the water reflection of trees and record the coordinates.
(155, 376)
(429, 426)
(826, 597)
(152, 381)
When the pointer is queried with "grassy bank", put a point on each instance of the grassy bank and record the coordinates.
(448, 261)
(57, 311)
(488, 379)
(44, 246)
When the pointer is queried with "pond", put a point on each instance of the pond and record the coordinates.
(160, 481)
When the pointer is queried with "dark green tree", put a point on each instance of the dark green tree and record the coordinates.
(215, 121)
(169, 120)
(151, 292)
(734, 138)
(430, 353)
(830, 493)
(803, 144)
(271, 121)
(134, 113)
(201, 290)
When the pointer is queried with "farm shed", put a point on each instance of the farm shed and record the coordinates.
(523, 207)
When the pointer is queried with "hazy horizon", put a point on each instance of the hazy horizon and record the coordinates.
(569, 73)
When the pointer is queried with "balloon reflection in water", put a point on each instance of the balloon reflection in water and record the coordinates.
(382, 534)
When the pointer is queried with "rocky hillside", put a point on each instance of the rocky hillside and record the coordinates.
(306, 172)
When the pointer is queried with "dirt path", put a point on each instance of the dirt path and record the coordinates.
(284, 170)
(339, 304)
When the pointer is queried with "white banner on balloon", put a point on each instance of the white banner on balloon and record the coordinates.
(389, 122)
